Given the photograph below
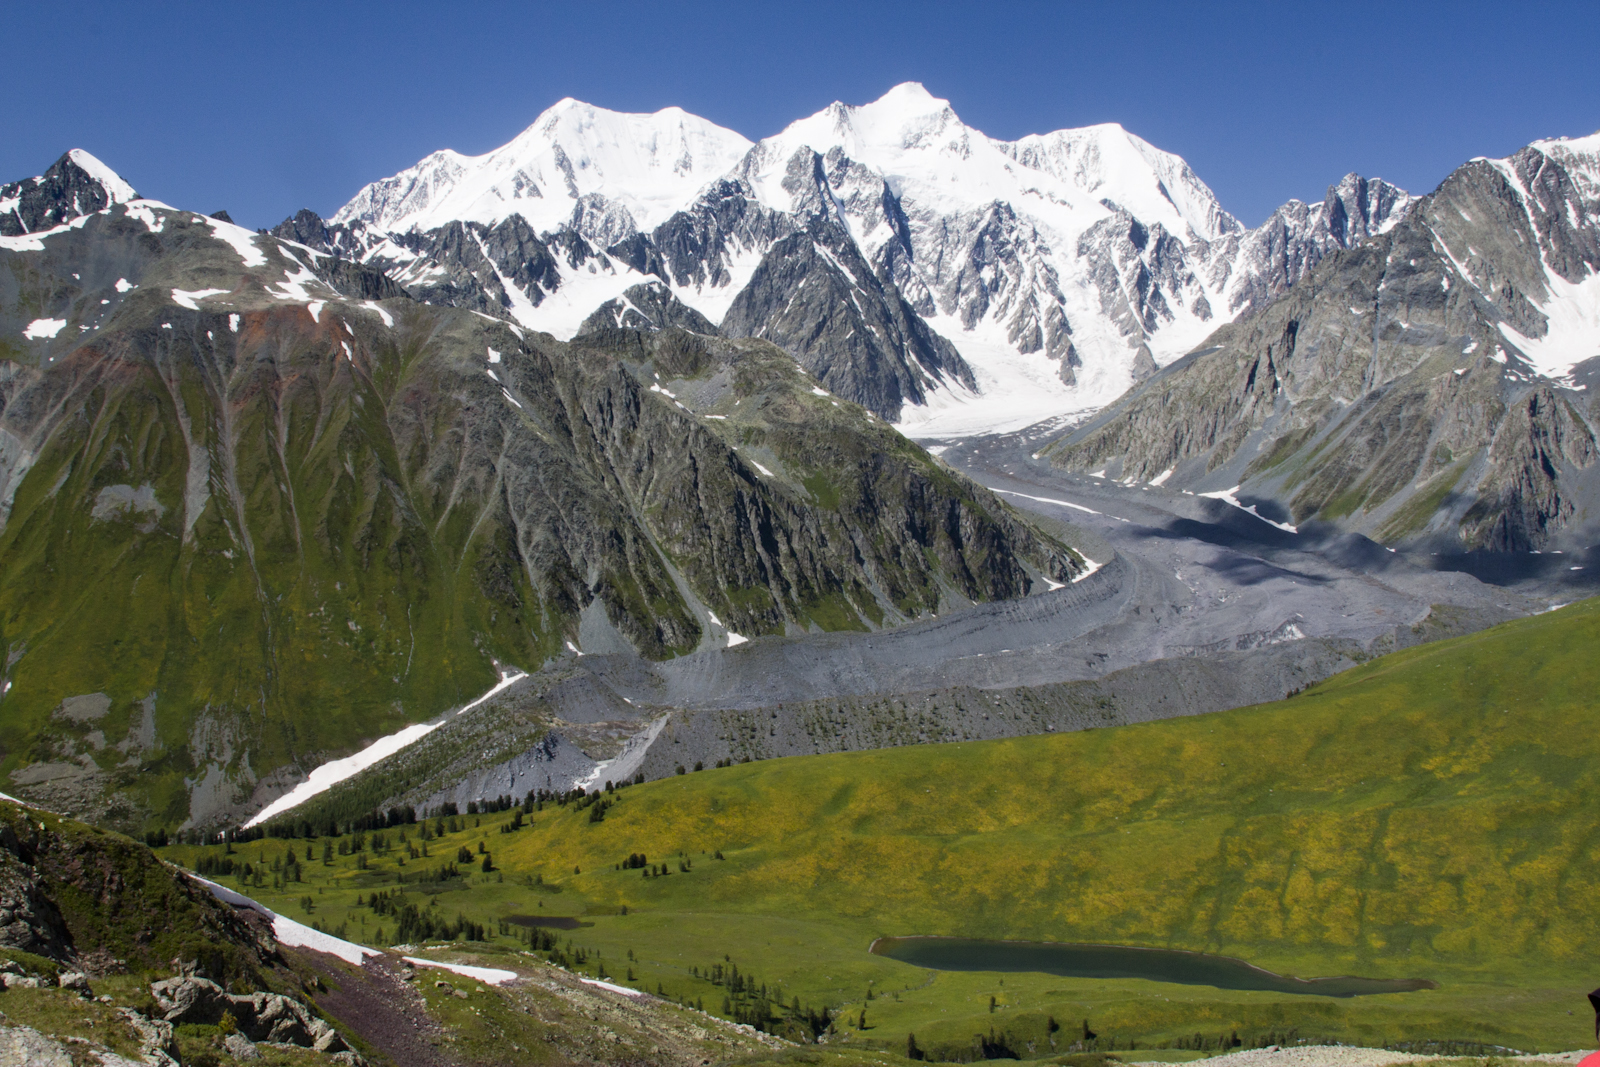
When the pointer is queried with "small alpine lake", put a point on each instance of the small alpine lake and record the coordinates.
(1119, 961)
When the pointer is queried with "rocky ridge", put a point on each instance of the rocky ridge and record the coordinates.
(76, 185)
(1431, 382)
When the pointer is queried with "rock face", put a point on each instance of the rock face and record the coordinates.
(29, 919)
(1430, 382)
(816, 296)
(889, 247)
(810, 291)
(366, 504)
(1257, 266)
(651, 307)
(23, 1046)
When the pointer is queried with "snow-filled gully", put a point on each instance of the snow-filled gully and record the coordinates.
(332, 773)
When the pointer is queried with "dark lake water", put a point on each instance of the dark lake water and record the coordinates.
(1116, 961)
(548, 922)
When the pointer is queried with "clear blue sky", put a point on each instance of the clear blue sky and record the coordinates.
(266, 108)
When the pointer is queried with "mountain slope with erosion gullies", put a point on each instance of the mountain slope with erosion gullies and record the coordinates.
(1431, 383)
(944, 280)
(253, 517)
(1198, 607)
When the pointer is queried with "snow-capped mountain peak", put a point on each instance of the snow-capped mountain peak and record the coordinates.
(118, 190)
(997, 283)
(924, 151)
(1107, 162)
(76, 185)
(642, 167)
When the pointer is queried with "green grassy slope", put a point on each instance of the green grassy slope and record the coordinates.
(1425, 815)
(1427, 810)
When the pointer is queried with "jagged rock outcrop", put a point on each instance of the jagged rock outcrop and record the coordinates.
(102, 903)
(815, 296)
(1256, 266)
(259, 1016)
(650, 306)
(29, 919)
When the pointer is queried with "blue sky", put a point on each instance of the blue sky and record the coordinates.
(265, 108)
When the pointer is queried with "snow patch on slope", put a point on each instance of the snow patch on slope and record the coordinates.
(490, 975)
(242, 240)
(626, 763)
(1572, 333)
(287, 931)
(188, 297)
(1229, 496)
(332, 773)
(42, 329)
(1015, 389)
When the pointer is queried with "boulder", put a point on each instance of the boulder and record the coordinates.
(75, 980)
(240, 1047)
(188, 999)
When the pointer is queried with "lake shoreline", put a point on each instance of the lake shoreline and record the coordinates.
(1089, 960)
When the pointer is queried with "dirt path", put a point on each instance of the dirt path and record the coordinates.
(383, 1010)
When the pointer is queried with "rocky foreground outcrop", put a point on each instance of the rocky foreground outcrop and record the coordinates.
(97, 903)
(257, 1017)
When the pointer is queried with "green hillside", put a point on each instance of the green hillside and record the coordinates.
(1423, 816)
(247, 536)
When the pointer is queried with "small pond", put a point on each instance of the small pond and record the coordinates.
(548, 922)
(1117, 961)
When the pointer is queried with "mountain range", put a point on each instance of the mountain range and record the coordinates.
(244, 482)
(636, 388)
(949, 282)
(956, 284)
